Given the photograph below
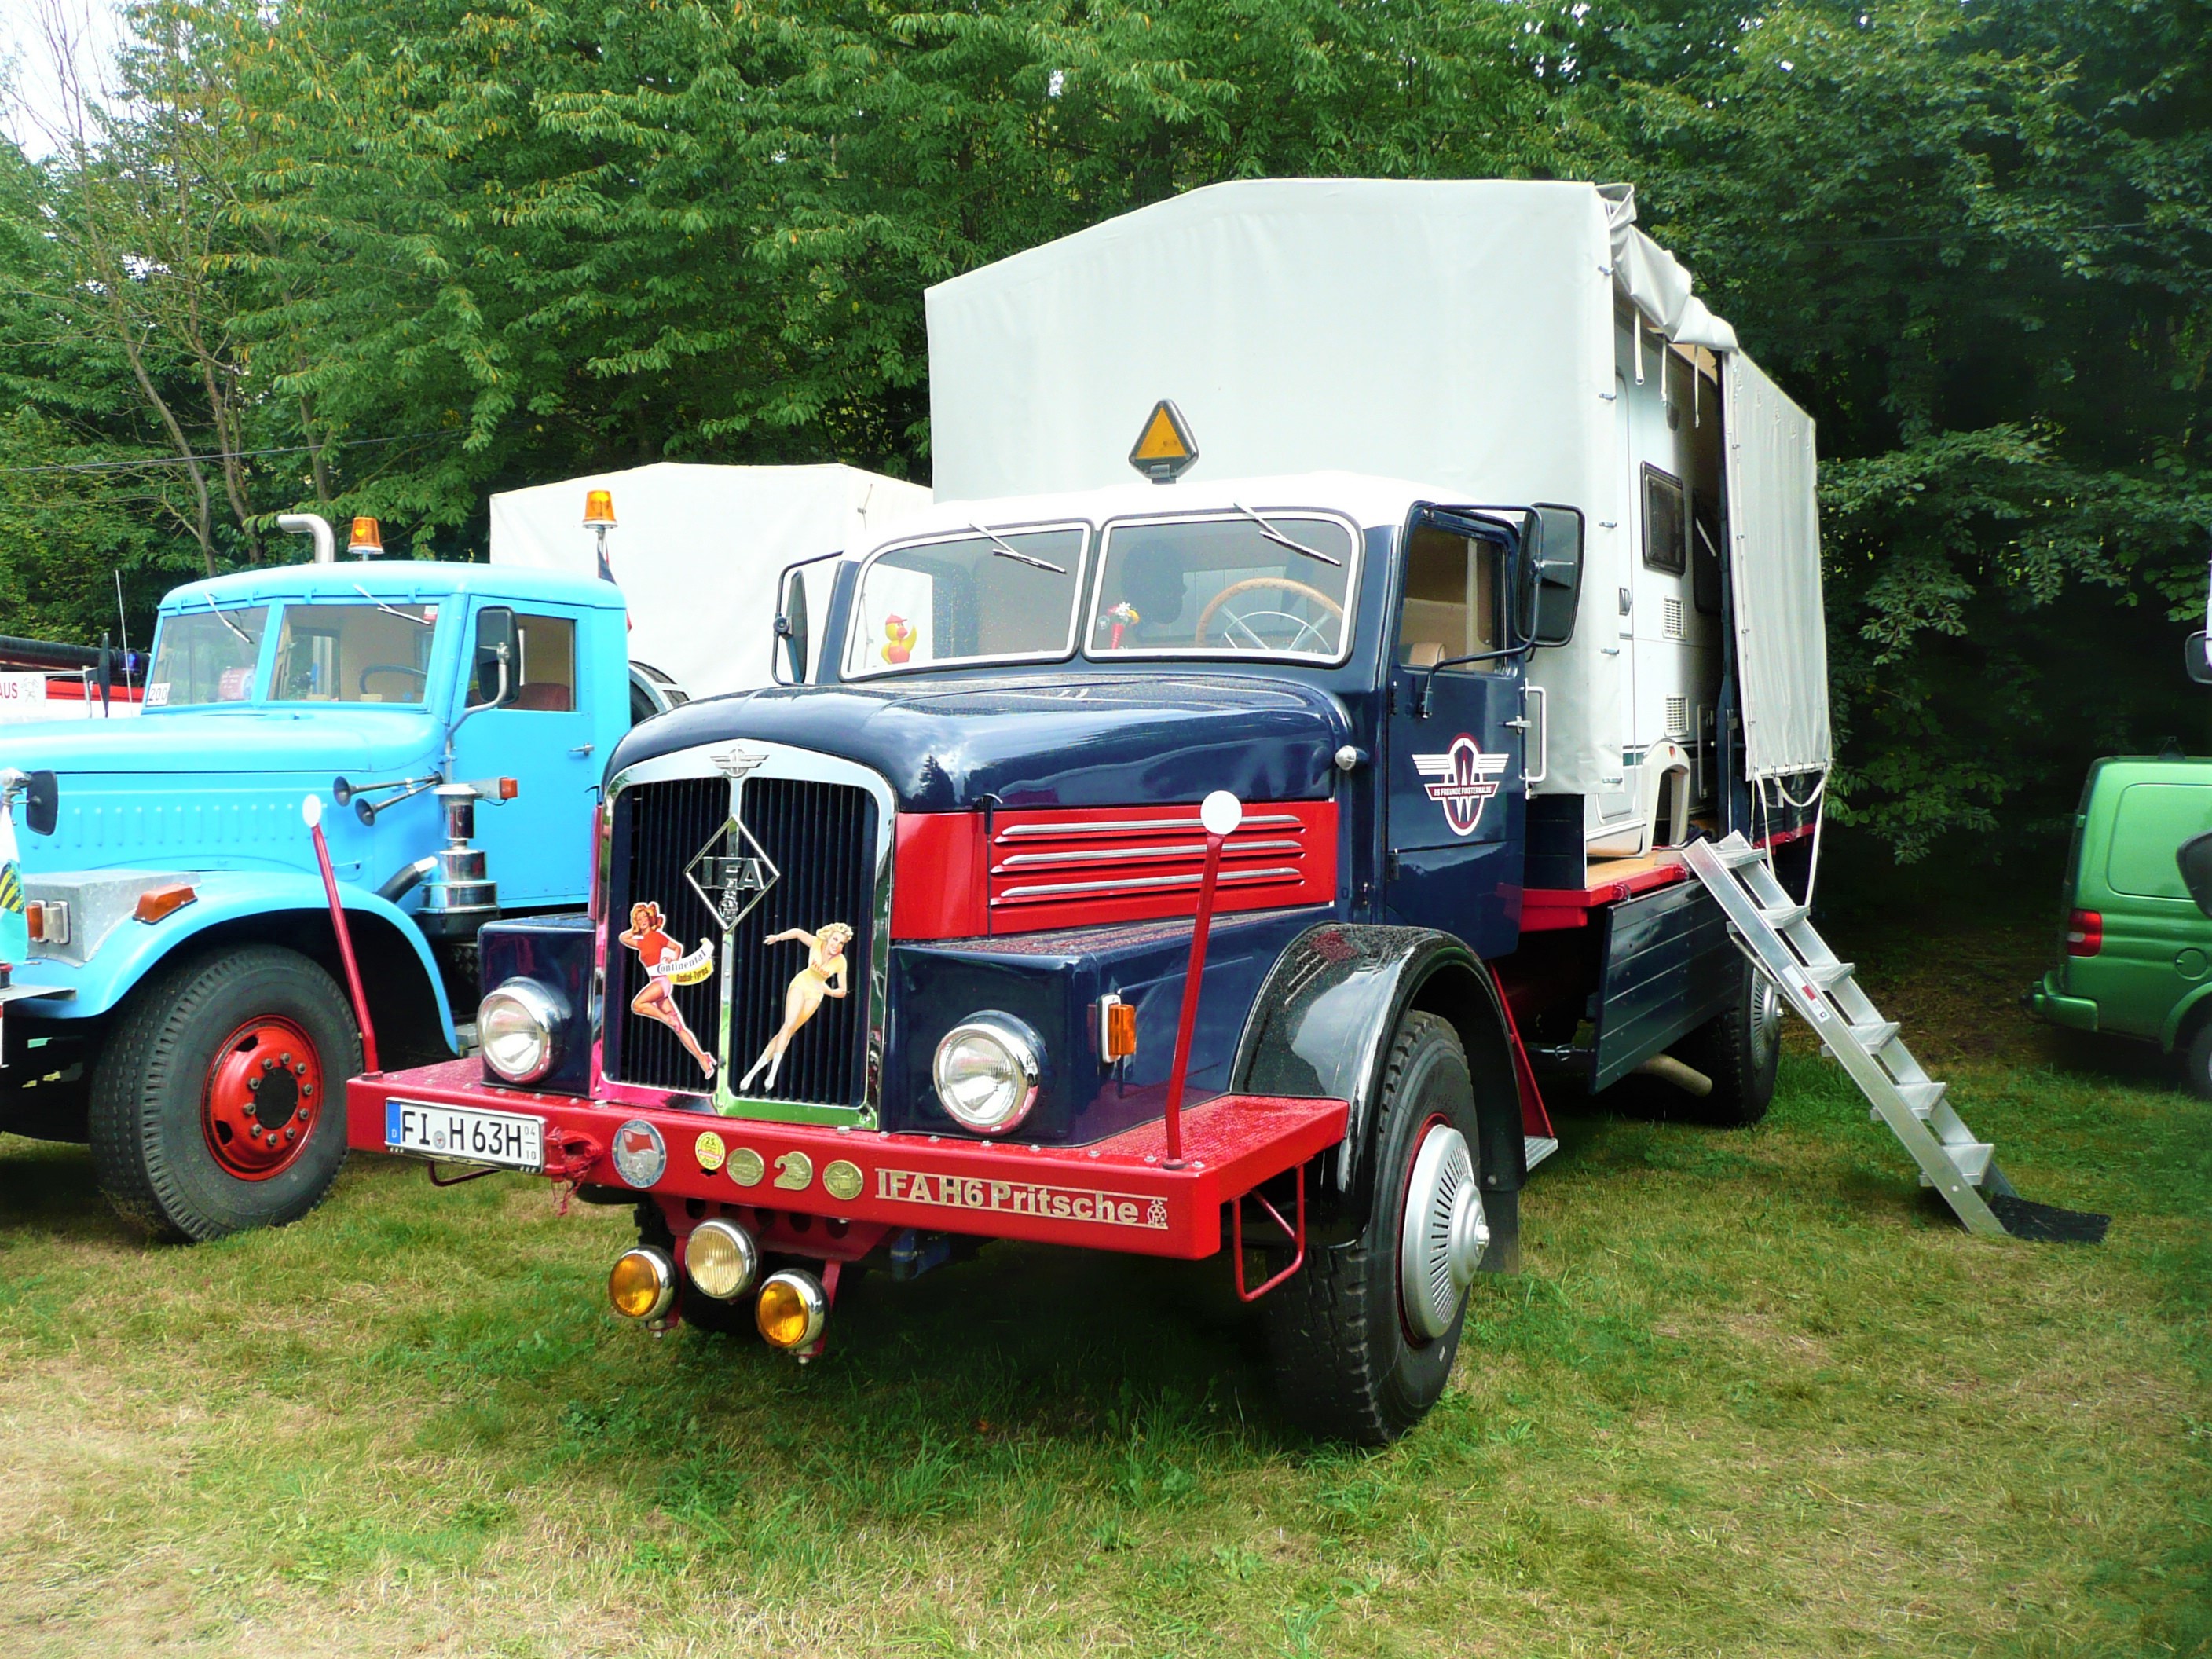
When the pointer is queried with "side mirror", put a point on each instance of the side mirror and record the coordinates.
(2194, 858)
(491, 675)
(1550, 573)
(790, 629)
(2194, 660)
(42, 802)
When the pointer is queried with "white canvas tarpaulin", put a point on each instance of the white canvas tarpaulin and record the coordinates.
(698, 550)
(1781, 636)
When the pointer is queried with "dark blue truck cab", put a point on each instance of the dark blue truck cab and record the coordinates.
(899, 954)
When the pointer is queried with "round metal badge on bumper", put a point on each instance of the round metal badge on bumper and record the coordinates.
(641, 1155)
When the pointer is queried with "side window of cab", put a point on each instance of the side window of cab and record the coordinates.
(542, 675)
(1451, 607)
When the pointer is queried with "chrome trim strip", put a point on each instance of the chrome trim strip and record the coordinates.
(710, 759)
(1130, 826)
(1139, 884)
(1177, 850)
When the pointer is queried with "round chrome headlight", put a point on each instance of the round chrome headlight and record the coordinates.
(519, 1029)
(721, 1258)
(987, 1073)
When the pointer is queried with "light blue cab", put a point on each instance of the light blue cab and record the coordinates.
(182, 1008)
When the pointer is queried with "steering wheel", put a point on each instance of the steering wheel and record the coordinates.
(422, 676)
(1283, 583)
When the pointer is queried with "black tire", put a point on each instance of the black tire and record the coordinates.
(1742, 1051)
(1346, 1366)
(731, 1318)
(2196, 1062)
(154, 1136)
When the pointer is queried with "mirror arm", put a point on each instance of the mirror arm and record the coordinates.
(475, 707)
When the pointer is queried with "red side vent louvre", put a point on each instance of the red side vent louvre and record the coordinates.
(1075, 868)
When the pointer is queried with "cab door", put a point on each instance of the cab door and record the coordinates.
(1452, 737)
(537, 846)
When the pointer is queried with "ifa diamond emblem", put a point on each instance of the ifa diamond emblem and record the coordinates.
(1463, 779)
(732, 872)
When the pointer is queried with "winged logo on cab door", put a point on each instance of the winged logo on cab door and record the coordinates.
(1465, 778)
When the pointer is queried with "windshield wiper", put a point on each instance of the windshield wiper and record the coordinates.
(1281, 540)
(224, 618)
(392, 611)
(1005, 551)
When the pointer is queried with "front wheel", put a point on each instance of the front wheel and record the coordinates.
(1363, 1336)
(218, 1104)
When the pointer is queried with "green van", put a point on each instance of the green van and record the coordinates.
(2137, 958)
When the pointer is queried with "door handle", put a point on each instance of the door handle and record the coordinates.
(582, 749)
(1518, 725)
(1543, 737)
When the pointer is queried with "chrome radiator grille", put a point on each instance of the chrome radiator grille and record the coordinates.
(814, 843)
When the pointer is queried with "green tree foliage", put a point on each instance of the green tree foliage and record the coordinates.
(382, 257)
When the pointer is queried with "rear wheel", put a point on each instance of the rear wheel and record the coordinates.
(2196, 1062)
(1741, 1050)
(1363, 1336)
(218, 1103)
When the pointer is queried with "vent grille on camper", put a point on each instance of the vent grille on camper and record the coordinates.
(1678, 714)
(1673, 621)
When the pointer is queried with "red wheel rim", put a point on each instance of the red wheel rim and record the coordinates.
(263, 1098)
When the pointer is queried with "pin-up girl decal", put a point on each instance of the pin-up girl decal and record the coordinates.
(666, 967)
(823, 976)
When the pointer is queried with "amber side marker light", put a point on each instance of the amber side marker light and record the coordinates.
(792, 1309)
(643, 1284)
(1117, 1028)
(158, 901)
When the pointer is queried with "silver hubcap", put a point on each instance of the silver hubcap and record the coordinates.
(1766, 1019)
(1445, 1232)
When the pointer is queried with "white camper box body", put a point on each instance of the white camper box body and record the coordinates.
(698, 550)
(1505, 342)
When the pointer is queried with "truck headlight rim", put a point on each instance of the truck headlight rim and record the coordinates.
(1001, 1054)
(519, 1026)
(720, 1259)
(641, 1284)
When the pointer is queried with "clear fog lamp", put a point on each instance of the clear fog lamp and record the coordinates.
(518, 1030)
(987, 1073)
(721, 1258)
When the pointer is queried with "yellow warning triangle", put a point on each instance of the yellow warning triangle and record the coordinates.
(1164, 439)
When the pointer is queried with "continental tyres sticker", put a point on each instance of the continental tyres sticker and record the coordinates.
(1024, 1198)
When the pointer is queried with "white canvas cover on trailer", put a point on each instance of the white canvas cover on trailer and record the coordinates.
(1465, 334)
(698, 550)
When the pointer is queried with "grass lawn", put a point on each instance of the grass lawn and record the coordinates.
(1753, 1395)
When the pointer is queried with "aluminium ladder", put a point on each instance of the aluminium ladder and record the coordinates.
(1774, 932)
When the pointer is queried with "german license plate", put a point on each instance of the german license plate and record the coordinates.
(506, 1139)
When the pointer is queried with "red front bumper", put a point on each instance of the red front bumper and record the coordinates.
(1112, 1196)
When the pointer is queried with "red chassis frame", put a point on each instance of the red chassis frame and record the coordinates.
(1119, 1194)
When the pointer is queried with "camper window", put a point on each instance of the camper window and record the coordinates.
(1666, 525)
(1451, 607)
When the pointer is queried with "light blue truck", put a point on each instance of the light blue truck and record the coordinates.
(181, 1005)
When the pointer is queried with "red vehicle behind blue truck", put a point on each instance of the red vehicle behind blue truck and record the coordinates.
(1224, 863)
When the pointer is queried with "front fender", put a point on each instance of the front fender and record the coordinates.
(1321, 1026)
(135, 949)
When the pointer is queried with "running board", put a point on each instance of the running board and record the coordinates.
(1776, 933)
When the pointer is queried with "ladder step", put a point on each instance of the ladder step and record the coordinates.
(1783, 916)
(1536, 1148)
(1829, 975)
(1736, 852)
(1972, 1160)
(1875, 1034)
(1921, 1097)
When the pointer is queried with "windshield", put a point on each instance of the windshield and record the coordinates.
(968, 598)
(206, 655)
(354, 652)
(1225, 586)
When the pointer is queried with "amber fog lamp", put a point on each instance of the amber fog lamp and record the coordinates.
(367, 538)
(598, 509)
(721, 1258)
(792, 1308)
(643, 1282)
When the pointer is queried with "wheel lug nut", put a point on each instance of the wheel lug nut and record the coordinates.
(302, 1114)
(255, 1131)
(288, 1060)
(253, 1083)
(267, 1064)
(291, 1134)
(307, 1088)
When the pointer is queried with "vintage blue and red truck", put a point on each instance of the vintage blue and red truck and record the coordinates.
(1221, 864)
